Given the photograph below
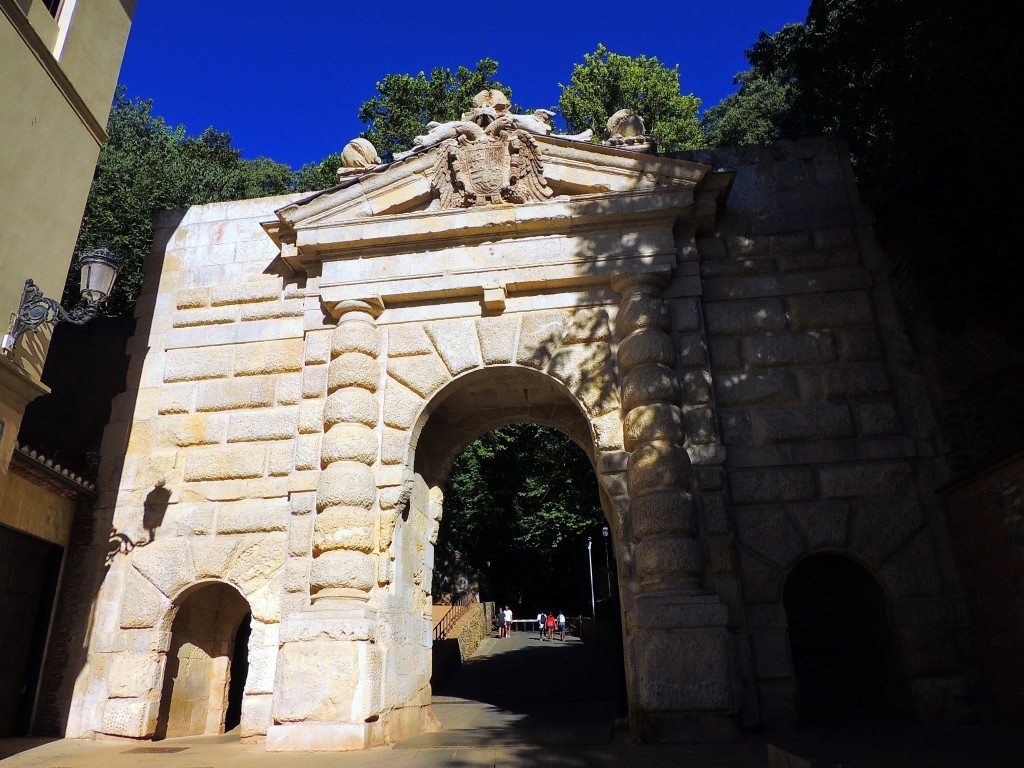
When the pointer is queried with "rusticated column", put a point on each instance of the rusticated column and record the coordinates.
(684, 685)
(658, 474)
(344, 558)
(330, 666)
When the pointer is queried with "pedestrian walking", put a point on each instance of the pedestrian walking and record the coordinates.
(561, 626)
(542, 620)
(508, 621)
(501, 623)
(550, 621)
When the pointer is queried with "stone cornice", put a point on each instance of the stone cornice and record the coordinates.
(44, 56)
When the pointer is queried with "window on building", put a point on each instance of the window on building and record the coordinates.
(53, 6)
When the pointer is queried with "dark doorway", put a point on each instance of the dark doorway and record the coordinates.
(29, 572)
(207, 652)
(843, 648)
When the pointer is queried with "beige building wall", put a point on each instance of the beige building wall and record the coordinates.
(59, 74)
(58, 71)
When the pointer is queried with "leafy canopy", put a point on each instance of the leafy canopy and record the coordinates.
(147, 166)
(522, 498)
(607, 82)
(762, 109)
(405, 104)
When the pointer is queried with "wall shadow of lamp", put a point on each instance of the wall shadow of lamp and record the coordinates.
(154, 509)
(100, 268)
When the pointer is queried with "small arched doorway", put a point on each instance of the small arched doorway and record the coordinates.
(207, 663)
(842, 644)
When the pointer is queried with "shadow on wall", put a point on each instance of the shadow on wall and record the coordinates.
(88, 372)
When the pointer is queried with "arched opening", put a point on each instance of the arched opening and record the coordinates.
(842, 644)
(519, 504)
(486, 414)
(206, 663)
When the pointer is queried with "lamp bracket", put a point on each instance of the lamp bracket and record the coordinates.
(35, 310)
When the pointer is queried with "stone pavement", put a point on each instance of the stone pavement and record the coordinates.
(521, 702)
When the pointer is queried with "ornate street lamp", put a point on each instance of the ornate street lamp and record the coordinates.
(100, 268)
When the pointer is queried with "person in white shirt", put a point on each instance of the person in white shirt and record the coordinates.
(508, 621)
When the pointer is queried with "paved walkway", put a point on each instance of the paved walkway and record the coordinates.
(520, 702)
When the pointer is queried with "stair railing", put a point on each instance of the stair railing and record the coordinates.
(452, 615)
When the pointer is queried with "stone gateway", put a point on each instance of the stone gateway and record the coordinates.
(721, 343)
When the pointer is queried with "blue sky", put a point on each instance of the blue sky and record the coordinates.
(286, 78)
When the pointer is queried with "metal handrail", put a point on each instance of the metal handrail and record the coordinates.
(452, 615)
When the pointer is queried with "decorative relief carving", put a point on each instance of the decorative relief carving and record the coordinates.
(489, 156)
(502, 169)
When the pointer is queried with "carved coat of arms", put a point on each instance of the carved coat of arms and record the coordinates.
(489, 156)
(500, 169)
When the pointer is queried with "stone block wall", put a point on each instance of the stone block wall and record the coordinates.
(218, 425)
(771, 361)
(794, 354)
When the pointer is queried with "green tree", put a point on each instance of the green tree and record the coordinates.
(145, 167)
(317, 176)
(607, 82)
(522, 498)
(749, 116)
(762, 108)
(404, 104)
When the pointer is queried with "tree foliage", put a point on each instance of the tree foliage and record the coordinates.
(762, 108)
(147, 166)
(607, 82)
(522, 498)
(918, 91)
(404, 104)
(316, 176)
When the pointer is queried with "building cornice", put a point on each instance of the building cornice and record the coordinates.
(41, 470)
(44, 56)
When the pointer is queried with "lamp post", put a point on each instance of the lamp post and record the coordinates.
(100, 268)
(590, 566)
(607, 562)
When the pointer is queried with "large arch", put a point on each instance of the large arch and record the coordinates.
(454, 288)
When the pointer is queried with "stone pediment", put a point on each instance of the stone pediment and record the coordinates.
(491, 217)
(582, 181)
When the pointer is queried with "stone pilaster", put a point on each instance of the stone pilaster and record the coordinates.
(685, 685)
(330, 665)
(344, 535)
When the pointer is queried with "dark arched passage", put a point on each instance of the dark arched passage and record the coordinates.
(844, 652)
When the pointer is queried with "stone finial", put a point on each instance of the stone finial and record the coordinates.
(625, 129)
(494, 99)
(358, 154)
(624, 124)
